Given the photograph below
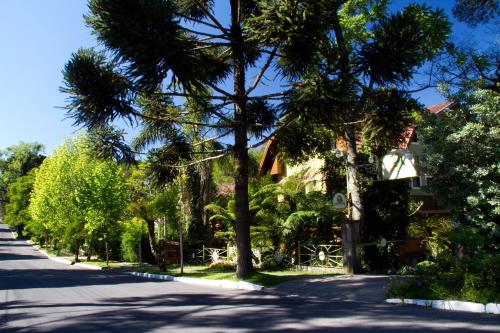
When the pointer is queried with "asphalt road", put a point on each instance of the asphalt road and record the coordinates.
(39, 295)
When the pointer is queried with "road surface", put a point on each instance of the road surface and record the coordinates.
(39, 295)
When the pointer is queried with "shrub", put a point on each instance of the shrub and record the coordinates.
(134, 230)
(475, 280)
(426, 268)
(222, 265)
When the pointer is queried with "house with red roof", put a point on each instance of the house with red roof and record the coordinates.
(400, 163)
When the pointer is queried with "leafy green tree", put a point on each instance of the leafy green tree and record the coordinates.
(54, 204)
(77, 198)
(134, 230)
(103, 196)
(18, 195)
(150, 202)
(17, 161)
(355, 61)
(462, 156)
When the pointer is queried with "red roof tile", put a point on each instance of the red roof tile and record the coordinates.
(436, 109)
(439, 107)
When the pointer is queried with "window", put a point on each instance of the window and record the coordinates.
(414, 137)
(415, 182)
(428, 180)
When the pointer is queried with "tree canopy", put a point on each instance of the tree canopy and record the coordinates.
(17, 161)
(462, 157)
(355, 81)
(76, 198)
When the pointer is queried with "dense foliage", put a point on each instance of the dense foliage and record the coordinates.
(354, 81)
(18, 195)
(17, 161)
(77, 200)
(462, 156)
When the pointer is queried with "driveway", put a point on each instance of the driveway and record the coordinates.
(38, 295)
(354, 288)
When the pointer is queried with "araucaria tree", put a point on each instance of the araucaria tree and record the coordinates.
(355, 62)
(160, 51)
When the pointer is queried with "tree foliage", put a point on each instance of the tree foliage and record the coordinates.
(474, 12)
(77, 199)
(354, 80)
(160, 50)
(18, 194)
(134, 230)
(17, 161)
(462, 157)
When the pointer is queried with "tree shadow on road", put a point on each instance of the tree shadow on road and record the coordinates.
(61, 278)
(248, 312)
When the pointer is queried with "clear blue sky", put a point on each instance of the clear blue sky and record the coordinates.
(37, 39)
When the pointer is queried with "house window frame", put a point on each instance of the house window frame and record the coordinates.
(415, 138)
(412, 183)
(427, 178)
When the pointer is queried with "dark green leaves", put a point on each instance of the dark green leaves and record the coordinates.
(192, 9)
(142, 32)
(162, 161)
(296, 27)
(146, 36)
(108, 143)
(261, 115)
(389, 113)
(475, 12)
(97, 93)
(402, 42)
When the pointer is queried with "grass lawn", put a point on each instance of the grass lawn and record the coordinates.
(266, 278)
(112, 264)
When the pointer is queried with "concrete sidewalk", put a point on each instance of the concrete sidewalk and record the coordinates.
(355, 288)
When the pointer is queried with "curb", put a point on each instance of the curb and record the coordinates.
(68, 262)
(88, 266)
(450, 305)
(227, 284)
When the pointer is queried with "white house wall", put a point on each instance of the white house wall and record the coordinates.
(399, 164)
(312, 173)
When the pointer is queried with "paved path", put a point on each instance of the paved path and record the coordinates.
(38, 295)
(357, 288)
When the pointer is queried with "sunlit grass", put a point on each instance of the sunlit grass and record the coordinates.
(266, 278)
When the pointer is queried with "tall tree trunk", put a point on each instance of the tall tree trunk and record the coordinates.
(244, 258)
(205, 170)
(351, 230)
(152, 240)
(77, 250)
(107, 250)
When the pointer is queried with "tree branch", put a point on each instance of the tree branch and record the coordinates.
(174, 94)
(220, 91)
(279, 94)
(212, 18)
(177, 121)
(280, 127)
(206, 34)
(187, 18)
(212, 138)
(200, 161)
(262, 71)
